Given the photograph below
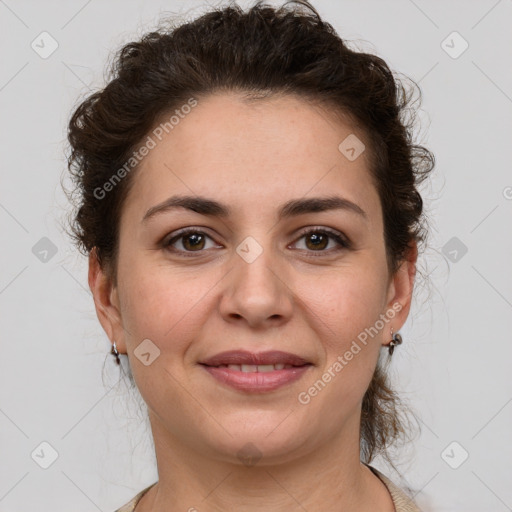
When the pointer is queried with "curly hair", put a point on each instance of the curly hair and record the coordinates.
(260, 52)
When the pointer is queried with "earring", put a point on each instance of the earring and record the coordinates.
(396, 339)
(115, 352)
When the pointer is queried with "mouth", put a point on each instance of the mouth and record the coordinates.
(256, 372)
(258, 368)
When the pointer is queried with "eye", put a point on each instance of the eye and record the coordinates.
(193, 240)
(190, 240)
(317, 240)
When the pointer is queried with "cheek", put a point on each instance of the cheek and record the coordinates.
(343, 310)
(345, 303)
(161, 304)
(163, 307)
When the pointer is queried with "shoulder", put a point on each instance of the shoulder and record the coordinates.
(402, 502)
(130, 506)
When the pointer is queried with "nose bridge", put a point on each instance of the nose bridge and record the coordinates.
(253, 263)
(256, 290)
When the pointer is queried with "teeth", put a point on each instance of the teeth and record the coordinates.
(265, 368)
(260, 368)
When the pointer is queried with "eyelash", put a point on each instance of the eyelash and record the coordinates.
(341, 240)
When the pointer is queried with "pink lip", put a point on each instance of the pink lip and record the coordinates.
(246, 357)
(257, 382)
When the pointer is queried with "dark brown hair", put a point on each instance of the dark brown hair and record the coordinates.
(257, 53)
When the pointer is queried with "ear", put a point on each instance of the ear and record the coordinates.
(401, 287)
(106, 301)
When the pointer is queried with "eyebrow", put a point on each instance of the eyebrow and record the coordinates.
(292, 208)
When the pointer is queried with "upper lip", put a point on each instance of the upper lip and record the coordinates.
(260, 358)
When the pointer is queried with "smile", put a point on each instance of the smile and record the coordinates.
(257, 378)
(260, 368)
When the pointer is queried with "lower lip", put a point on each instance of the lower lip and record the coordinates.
(257, 382)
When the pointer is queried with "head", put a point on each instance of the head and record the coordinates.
(300, 178)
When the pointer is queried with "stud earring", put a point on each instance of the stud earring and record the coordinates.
(396, 339)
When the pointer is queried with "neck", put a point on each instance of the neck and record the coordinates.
(327, 477)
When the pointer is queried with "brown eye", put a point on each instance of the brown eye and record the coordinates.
(193, 241)
(189, 241)
(318, 240)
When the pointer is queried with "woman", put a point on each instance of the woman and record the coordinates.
(249, 206)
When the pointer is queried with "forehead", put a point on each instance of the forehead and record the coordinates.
(251, 153)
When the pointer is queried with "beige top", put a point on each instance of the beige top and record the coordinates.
(402, 502)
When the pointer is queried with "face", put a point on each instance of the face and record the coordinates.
(266, 275)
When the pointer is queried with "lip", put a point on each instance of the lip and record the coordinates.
(256, 382)
(259, 358)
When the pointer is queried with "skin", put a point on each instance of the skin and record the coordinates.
(293, 297)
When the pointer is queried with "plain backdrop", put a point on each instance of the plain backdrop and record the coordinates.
(59, 386)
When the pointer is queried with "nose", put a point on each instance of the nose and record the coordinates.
(256, 293)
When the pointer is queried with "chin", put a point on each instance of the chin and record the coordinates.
(267, 443)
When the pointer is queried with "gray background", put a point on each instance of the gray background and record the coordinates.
(58, 384)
